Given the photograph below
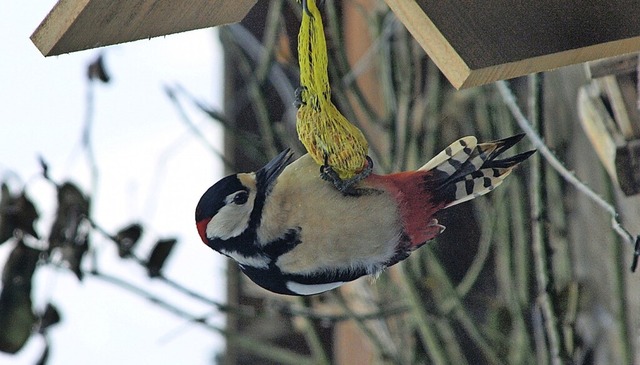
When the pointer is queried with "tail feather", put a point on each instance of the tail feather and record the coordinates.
(450, 152)
(496, 148)
(466, 169)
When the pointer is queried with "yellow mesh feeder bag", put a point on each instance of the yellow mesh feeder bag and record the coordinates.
(326, 134)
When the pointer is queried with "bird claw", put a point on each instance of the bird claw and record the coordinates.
(299, 100)
(345, 186)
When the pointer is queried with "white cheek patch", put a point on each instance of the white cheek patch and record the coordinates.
(230, 221)
(309, 289)
(258, 262)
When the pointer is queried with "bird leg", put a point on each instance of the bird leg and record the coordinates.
(345, 186)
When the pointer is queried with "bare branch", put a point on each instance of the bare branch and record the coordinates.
(536, 140)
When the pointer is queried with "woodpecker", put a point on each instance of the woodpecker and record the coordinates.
(293, 232)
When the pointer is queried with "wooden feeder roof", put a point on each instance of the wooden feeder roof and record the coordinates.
(472, 42)
(75, 25)
(477, 42)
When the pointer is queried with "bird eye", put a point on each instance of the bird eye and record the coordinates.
(241, 198)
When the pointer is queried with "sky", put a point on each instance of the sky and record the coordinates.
(152, 169)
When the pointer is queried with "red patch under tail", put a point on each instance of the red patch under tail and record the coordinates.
(415, 203)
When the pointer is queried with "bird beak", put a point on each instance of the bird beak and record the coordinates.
(267, 175)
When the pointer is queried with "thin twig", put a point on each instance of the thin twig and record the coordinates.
(221, 307)
(451, 305)
(619, 290)
(451, 342)
(538, 335)
(340, 62)
(86, 134)
(257, 102)
(289, 310)
(424, 324)
(249, 344)
(244, 311)
(518, 235)
(379, 345)
(350, 97)
(256, 50)
(553, 161)
(245, 138)
(538, 245)
(270, 39)
(487, 231)
(318, 350)
(170, 92)
(140, 292)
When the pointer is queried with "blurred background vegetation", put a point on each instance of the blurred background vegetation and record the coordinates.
(530, 274)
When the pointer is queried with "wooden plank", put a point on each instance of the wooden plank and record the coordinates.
(628, 167)
(630, 94)
(613, 66)
(74, 25)
(477, 42)
(597, 125)
(620, 156)
(618, 106)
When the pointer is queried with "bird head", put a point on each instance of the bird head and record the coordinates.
(229, 212)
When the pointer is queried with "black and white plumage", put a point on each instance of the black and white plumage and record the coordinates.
(294, 233)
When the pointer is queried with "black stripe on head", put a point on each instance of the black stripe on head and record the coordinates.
(265, 181)
(214, 198)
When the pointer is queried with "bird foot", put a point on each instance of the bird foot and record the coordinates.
(439, 227)
(345, 186)
(299, 100)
